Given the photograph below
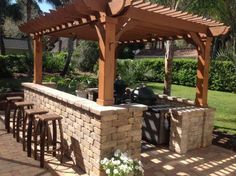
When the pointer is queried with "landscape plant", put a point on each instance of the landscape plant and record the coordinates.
(122, 165)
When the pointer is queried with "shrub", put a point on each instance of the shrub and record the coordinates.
(54, 62)
(71, 83)
(14, 63)
(222, 73)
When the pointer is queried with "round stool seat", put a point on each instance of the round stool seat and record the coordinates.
(35, 111)
(17, 98)
(48, 117)
(23, 103)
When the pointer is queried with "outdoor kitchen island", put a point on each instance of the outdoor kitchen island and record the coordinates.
(190, 127)
(92, 132)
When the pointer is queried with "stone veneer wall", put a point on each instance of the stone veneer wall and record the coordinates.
(91, 132)
(191, 127)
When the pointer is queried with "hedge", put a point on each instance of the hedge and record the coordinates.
(222, 73)
(52, 63)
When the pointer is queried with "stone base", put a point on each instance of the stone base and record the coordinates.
(191, 128)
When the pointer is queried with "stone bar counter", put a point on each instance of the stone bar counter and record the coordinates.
(191, 127)
(91, 131)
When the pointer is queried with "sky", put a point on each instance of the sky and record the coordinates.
(43, 6)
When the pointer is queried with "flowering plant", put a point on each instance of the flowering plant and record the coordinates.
(122, 165)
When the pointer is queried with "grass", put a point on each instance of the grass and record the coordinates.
(225, 104)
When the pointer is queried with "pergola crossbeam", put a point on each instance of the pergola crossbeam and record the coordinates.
(165, 20)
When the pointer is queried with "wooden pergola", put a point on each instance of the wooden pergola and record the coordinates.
(114, 22)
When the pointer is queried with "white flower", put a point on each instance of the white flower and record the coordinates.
(117, 153)
(117, 162)
(121, 163)
(125, 154)
(124, 157)
(108, 171)
(115, 171)
(104, 161)
(141, 169)
(140, 163)
(124, 168)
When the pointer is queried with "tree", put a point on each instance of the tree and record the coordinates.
(226, 12)
(34, 4)
(70, 48)
(7, 10)
(87, 54)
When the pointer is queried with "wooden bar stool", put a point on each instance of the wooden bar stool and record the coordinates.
(42, 125)
(10, 106)
(18, 118)
(30, 117)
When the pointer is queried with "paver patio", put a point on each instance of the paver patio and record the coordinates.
(212, 161)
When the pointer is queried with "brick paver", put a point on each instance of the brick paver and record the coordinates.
(212, 161)
(13, 161)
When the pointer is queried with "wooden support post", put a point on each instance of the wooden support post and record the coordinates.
(203, 73)
(38, 60)
(107, 45)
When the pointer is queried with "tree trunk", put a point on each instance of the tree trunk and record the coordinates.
(2, 45)
(68, 59)
(29, 41)
(168, 66)
(216, 47)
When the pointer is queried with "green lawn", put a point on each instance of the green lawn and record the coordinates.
(225, 104)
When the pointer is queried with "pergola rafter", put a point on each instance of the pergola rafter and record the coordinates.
(113, 22)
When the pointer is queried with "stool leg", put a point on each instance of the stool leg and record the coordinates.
(19, 116)
(54, 140)
(42, 143)
(7, 117)
(37, 128)
(62, 138)
(24, 130)
(14, 123)
(47, 134)
(29, 136)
